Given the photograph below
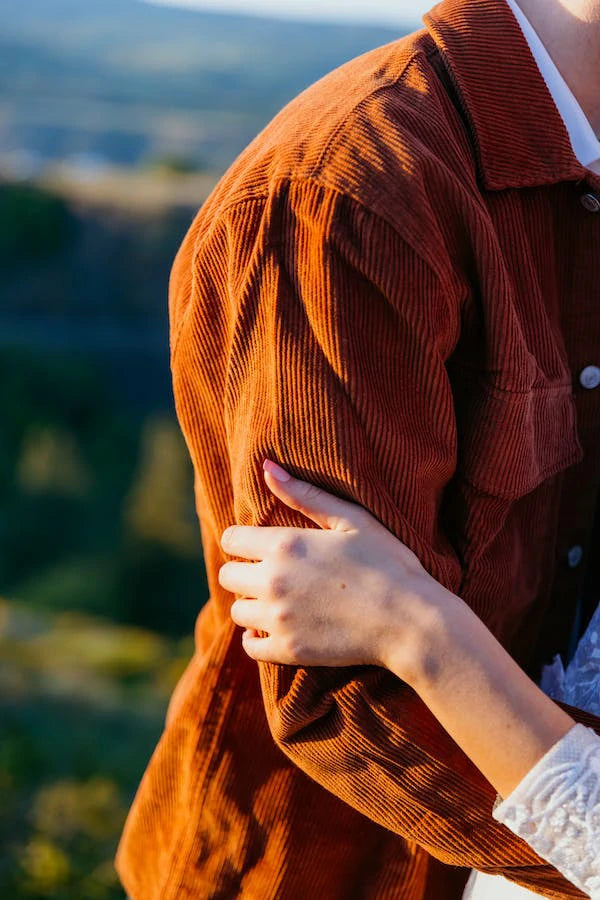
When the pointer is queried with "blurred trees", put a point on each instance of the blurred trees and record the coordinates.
(101, 570)
(82, 703)
(97, 507)
(100, 557)
(71, 820)
(33, 223)
(159, 506)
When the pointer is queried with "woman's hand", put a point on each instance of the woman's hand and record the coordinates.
(351, 593)
(348, 594)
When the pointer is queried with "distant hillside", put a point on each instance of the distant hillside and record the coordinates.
(129, 81)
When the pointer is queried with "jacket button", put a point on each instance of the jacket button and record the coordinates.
(574, 556)
(589, 377)
(591, 202)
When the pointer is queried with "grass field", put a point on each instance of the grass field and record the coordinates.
(82, 703)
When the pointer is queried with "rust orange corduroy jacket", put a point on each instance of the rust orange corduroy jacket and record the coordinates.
(392, 291)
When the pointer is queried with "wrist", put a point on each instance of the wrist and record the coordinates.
(424, 634)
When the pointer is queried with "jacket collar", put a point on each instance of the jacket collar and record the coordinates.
(519, 134)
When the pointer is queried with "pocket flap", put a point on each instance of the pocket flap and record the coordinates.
(509, 442)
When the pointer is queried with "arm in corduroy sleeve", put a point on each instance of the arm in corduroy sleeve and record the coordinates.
(322, 336)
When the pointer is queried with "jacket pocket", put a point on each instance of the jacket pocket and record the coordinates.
(509, 442)
(498, 507)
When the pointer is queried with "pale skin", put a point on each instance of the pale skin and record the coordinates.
(350, 593)
(570, 32)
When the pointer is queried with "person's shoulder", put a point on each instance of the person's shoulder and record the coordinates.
(380, 129)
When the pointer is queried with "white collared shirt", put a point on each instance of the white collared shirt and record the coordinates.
(586, 145)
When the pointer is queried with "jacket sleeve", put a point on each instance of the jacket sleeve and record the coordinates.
(323, 335)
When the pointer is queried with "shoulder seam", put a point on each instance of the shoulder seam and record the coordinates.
(322, 183)
(319, 163)
(276, 184)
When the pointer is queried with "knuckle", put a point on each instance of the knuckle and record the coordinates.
(336, 523)
(282, 615)
(292, 546)
(278, 586)
(311, 491)
(295, 649)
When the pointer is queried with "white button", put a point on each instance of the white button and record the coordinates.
(590, 377)
(590, 202)
(575, 555)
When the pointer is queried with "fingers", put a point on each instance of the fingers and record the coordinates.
(242, 578)
(255, 541)
(327, 510)
(251, 614)
(254, 616)
(263, 649)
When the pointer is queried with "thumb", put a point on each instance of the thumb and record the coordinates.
(327, 510)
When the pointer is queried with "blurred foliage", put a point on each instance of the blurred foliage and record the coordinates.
(97, 507)
(160, 492)
(50, 460)
(100, 555)
(82, 704)
(107, 264)
(173, 165)
(33, 223)
(101, 569)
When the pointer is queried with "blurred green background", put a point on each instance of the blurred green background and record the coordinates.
(116, 120)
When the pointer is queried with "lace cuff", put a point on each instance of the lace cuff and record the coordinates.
(556, 808)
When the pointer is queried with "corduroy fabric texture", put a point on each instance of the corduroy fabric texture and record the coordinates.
(391, 291)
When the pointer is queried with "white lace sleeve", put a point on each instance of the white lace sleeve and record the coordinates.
(556, 808)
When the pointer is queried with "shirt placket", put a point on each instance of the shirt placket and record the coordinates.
(576, 587)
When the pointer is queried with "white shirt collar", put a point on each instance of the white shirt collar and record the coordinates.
(586, 145)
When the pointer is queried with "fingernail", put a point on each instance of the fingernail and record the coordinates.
(276, 471)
